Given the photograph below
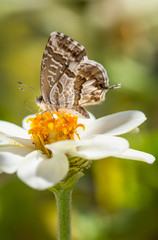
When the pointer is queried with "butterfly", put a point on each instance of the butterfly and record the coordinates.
(69, 80)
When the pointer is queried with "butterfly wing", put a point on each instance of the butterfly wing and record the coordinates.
(61, 55)
(91, 83)
(68, 79)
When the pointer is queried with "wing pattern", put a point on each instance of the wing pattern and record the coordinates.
(69, 80)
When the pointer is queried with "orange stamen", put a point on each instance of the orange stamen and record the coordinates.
(46, 129)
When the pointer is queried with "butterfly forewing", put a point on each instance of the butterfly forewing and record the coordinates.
(68, 79)
(60, 57)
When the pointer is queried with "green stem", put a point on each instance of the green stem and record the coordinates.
(63, 200)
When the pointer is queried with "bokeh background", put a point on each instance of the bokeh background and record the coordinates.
(116, 199)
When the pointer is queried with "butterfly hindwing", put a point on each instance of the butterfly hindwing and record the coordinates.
(91, 83)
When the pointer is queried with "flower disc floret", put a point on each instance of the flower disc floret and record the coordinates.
(47, 128)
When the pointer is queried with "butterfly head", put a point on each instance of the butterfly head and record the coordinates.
(39, 101)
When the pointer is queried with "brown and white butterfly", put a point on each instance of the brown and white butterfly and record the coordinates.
(69, 80)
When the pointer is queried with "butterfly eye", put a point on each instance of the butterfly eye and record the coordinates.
(40, 98)
(101, 85)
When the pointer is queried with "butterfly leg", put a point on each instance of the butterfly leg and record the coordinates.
(63, 116)
(43, 113)
(46, 111)
(39, 110)
(49, 110)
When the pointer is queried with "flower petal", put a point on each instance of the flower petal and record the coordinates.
(11, 129)
(115, 124)
(10, 158)
(85, 122)
(4, 139)
(40, 172)
(26, 142)
(65, 146)
(137, 155)
(101, 147)
(17, 150)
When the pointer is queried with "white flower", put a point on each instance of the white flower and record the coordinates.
(41, 166)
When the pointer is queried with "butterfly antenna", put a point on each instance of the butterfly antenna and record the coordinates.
(30, 90)
(115, 86)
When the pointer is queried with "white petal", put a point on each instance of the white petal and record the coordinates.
(11, 129)
(85, 122)
(25, 142)
(115, 124)
(21, 151)
(40, 172)
(10, 157)
(65, 146)
(4, 139)
(137, 155)
(101, 146)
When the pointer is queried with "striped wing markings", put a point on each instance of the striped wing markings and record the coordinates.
(60, 57)
(68, 79)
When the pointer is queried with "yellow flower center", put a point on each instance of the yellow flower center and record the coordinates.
(47, 128)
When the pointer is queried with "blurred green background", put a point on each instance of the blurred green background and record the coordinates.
(116, 199)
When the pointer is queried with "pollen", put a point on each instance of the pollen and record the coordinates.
(47, 128)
